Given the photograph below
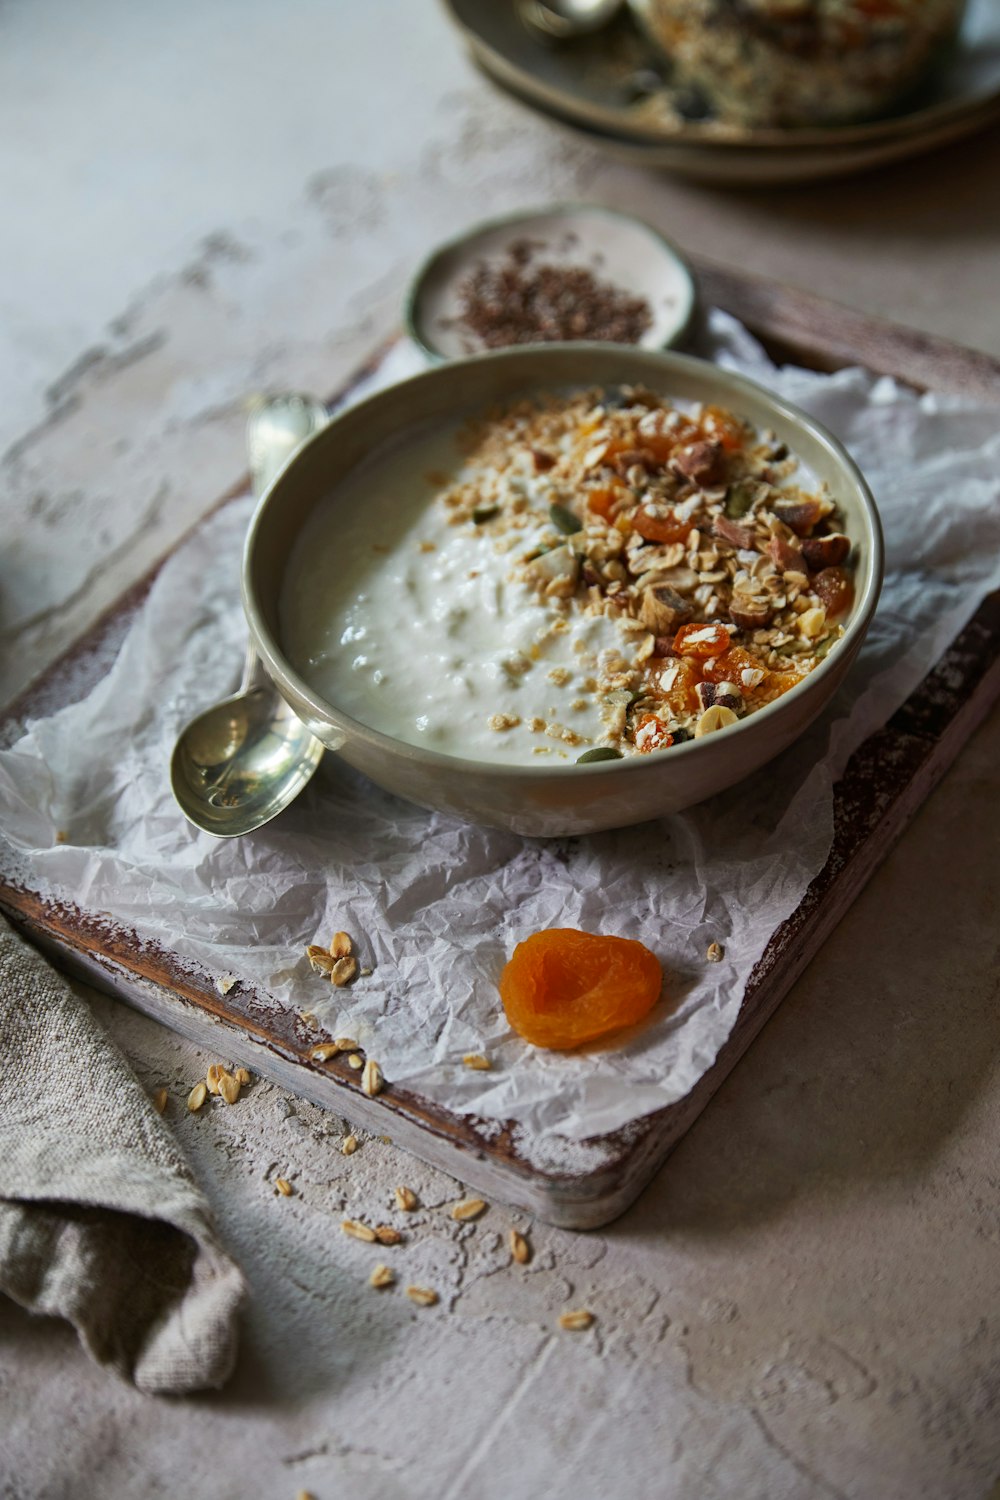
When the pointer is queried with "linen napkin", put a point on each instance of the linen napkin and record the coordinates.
(101, 1222)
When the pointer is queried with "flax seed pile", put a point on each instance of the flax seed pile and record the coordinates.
(521, 301)
(726, 577)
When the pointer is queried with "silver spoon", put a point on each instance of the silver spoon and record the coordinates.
(238, 764)
(561, 20)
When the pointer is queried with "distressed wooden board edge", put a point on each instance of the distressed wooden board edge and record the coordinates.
(827, 335)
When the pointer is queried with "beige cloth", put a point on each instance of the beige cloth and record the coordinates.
(100, 1220)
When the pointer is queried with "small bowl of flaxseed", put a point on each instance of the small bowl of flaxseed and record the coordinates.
(574, 272)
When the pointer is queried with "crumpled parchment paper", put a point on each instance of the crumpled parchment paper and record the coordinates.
(435, 905)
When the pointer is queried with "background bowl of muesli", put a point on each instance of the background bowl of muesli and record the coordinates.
(563, 588)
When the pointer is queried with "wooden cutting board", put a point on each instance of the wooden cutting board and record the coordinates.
(886, 781)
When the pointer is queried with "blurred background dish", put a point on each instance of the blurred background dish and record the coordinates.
(574, 271)
(619, 91)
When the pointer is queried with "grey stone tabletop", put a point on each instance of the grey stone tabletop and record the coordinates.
(203, 201)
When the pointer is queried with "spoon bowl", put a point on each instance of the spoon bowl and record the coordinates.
(242, 761)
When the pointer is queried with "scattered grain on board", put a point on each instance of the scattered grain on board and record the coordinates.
(284, 1187)
(358, 1231)
(469, 1208)
(350, 1145)
(424, 1295)
(382, 1276)
(520, 1249)
(478, 1061)
(576, 1321)
(197, 1096)
(406, 1199)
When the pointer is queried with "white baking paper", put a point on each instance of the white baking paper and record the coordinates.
(436, 905)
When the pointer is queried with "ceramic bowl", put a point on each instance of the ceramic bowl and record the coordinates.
(561, 799)
(615, 247)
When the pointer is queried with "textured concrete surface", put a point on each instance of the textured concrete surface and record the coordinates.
(214, 199)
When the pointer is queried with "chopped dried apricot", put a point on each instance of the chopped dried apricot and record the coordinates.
(722, 426)
(562, 987)
(701, 640)
(602, 501)
(675, 680)
(651, 734)
(728, 666)
(666, 528)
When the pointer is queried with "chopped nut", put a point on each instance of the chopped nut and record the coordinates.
(229, 1088)
(341, 945)
(358, 1231)
(520, 1249)
(826, 551)
(213, 1078)
(343, 971)
(712, 719)
(386, 1235)
(751, 611)
(406, 1199)
(350, 1145)
(422, 1294)
(355, 1062)
(197, 1096)
(321, 960)
(382, 1276)
(469, 1208)
(284, 1187)
(577, 1320)
(160, 1100)
(715, 953)
(244, 1076)
(477, 1060)
(371, 1079)
(324, 1052)
(812, 623)
(725, 694)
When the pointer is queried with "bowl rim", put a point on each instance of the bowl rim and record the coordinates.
(411, 302)
(280, 669)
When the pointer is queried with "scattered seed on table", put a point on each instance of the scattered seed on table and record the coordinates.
(382, 1276)
(160, 1100)
(284, 1187)
(424, 1295)
(576, 1321)
(358, 1231)
(229, 1088)
(478, 1061)
(386, 1235)
(715, 953)
(341, 946)
(197, 1096)
(469, 1208)
(520, 1249)
(355, 1062)
(371, 1079)
(350, 1145)
(406, 1199)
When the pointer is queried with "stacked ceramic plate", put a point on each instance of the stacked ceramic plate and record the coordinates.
(611, 89)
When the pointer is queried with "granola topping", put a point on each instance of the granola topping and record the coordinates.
(612, 572)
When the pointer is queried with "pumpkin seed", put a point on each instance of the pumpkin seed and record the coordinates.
(600, 752)
(740, 498)
(564, 520)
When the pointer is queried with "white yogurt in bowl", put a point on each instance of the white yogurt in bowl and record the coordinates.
(587, 574)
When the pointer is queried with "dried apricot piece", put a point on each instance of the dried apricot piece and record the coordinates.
(659, 528)
(562, 987)
(701, 640)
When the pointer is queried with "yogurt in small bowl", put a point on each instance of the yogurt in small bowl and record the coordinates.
(564, 588)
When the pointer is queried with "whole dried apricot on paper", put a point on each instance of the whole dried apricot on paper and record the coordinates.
(562, 988)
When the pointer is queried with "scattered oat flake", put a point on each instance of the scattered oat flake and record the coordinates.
(371, 1079)
(321, 959)
(354, 1061)
(358, 1231)
(520, 1249)
(345, 1044)
(343, 971)
(382, 1276)
(229, 1088)
(365, 973)
(386, 1235)
(213, 1077)
(469, 1208)
(323, 1052)
(715, 953)
(577, 1320)
(350, 1145)
(308, 1018)
(406, 1199)
(477, 1060)
(243, 1076)
(284, 1187)
(341, 945)
(425, 1295)
(197, 1096)
(160, 1100)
